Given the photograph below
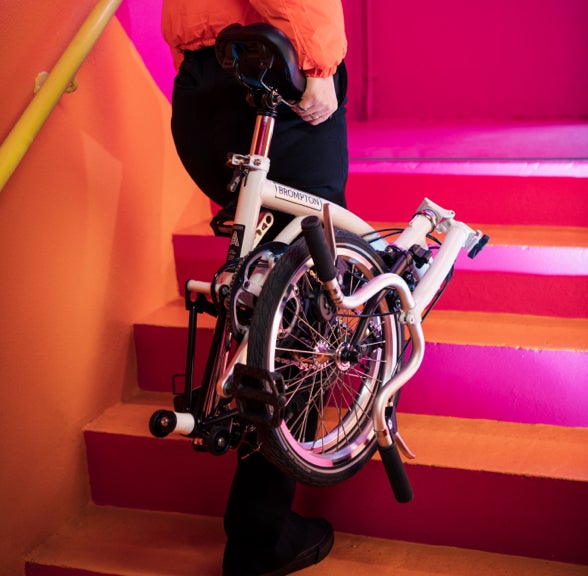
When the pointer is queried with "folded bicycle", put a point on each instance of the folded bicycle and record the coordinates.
(317, 330)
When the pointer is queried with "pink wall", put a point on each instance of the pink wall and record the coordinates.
(499, 59)
(440, 60)
(141, 19)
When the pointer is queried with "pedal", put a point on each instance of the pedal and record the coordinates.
(259, 395)
(222, 223)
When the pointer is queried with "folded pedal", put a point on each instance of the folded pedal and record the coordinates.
(259, 395)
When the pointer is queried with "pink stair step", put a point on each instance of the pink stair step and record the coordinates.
(198, 257)
(523, 270)
(486, 485)
(500, 366)
(383, 190)
(557, 146)
(505, 367)
(161, 344)
(515, 293)
(516, 385)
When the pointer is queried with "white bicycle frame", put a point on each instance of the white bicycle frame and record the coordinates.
(258, 192)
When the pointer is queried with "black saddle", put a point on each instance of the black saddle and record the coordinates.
(263, 58)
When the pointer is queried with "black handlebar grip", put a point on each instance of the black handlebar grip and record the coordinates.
(396, 473)
(314, 235)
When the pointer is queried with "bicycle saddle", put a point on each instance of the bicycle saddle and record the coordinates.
(262, 57)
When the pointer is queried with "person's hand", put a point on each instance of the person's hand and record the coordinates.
(319, 100)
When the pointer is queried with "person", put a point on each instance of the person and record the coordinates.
(210, 118)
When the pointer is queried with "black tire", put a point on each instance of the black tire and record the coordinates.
(333, 362)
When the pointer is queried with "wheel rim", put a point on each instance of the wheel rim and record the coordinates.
(332, 368)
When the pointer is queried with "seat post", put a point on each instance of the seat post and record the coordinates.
(262, 135)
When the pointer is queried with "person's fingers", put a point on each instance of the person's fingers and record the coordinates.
(319, 100)
(315, 116)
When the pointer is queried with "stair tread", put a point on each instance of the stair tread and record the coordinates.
(536, 450)
(120, 541)
(499, 329)
(503, 447)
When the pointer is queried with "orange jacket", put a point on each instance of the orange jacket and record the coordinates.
(315, 27)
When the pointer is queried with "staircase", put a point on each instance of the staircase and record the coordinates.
(497, 415)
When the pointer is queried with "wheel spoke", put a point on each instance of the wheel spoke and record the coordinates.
(332, 361)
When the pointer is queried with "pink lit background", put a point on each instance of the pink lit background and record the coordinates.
(446, 80)
(482, 106)
(451, 92)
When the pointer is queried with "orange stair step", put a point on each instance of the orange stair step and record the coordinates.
(122, 542)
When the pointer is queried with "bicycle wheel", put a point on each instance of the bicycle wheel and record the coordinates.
(333, 362)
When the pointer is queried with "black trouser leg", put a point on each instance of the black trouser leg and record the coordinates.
(210, 118)
(257, 513)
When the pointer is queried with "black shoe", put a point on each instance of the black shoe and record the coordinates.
(317, 543)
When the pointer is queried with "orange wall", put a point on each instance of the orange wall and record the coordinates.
(85, 235)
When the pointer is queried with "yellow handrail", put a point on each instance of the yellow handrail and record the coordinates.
(27, 127)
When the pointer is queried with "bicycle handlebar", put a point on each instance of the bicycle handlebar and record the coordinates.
(314, 235)
(396, 473)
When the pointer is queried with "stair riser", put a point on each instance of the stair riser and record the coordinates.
(517, 385)
(505, 200)
(161, 355)
(512, 293)
(543, 518)
(514, 385)
(198, 257)
(534, 517)
(536, 280)
(157, 474)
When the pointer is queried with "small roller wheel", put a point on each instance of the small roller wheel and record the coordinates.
(219, 441)
(162, 423)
